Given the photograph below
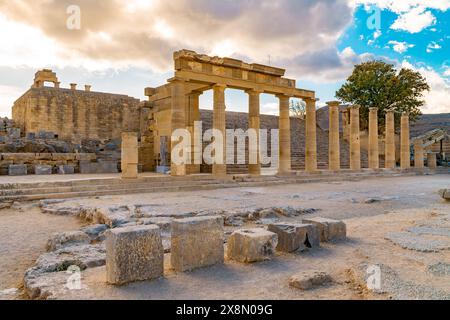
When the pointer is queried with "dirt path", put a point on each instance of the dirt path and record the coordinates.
(23, 235)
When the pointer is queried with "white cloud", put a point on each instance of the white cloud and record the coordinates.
(8, 95)
(433, 46)
(414, 21)
(447, 72)
(413, 15)
(437, 100)
(377, 34)
(400, 47)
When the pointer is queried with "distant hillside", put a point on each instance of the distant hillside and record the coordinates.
(426, 123)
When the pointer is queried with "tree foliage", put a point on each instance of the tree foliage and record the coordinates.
(379, 84)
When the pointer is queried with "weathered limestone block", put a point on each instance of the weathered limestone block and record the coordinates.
(43, 156)
(19, 158)
(85, 156)
(66, 169)
(42, 170)
(134, 254)
(251, 245)
(309, 279)
(63, 156)
(13, 133)
(64, 239)
(17, 170)
(87, 167)
(445, 194)
(197, 242)
(46, 135)
(329, 229)
(293, 237)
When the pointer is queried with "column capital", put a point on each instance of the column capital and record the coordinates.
(283, 96)
(354, 107)
(195, 93)
(219, 86)
(333, 103)
(390, 111)
(254, 91)
(373, 109)
(405, 114)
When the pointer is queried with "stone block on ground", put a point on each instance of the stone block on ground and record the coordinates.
(88, 167)
(63, 239)
(309, 279)
(42, 170)
(293, 237)
(66, 169)
(197, 242)
(445, 194)
(329, 229)
(134, 254)
(251, 245)
(17, 170)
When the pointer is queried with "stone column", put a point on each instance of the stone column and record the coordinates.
(355, 139)
(219, 123)
(374, 157)
(431, 160)
(284, 135)
(334, 161)
(390, 140)
(194, 116)
(130, 155)
(346, 125)
(254, 123)
(178, 119)
(311, 139)
(405, 151)
(418, 155)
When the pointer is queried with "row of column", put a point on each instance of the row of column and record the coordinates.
(355, 140)
(185, 113)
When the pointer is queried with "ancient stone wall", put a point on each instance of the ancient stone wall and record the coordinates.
(75, 115)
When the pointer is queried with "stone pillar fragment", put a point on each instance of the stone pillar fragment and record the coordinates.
(178, 119)
(134, 254)
(284, 136)
(405, 151)
(130, 155)
(251, 245)
(355, 139)
(418, 155)
(254, 124)
(311, 137)
(346, 125)
(374, 157)
(219, 123)
(431, 160)
(389, 153)
(194, 116)
(334, 143)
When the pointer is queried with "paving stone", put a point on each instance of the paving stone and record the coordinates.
(309, 279)
(251, 245)
(134, 254)
(197, 242)
(63, 239)
(293, 237)
(329, 230)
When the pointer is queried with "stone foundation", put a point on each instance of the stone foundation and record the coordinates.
(329, 230)
(251, 245)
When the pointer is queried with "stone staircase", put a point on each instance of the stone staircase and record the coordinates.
(115, 186)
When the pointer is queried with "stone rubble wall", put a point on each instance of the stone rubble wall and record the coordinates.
(31, 160)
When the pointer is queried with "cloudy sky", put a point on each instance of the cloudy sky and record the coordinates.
(125, 46)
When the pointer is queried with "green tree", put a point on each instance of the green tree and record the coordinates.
(379, 84)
